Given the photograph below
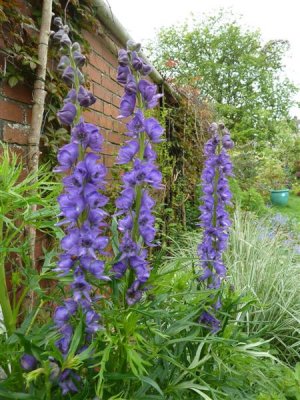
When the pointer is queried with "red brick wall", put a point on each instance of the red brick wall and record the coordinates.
(16, 103)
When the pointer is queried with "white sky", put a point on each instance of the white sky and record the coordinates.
(277, 19)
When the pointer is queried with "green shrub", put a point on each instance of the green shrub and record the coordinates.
(248, 200)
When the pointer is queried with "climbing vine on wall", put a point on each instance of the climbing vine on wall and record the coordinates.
(19, 27)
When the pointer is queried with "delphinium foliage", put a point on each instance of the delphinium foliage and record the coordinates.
(134, 205)
(81, 207)
(214, 218)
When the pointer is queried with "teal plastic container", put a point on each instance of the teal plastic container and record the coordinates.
(280, 197)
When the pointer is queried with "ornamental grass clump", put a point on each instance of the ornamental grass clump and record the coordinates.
(80, 204)
(134, 205)
(214, 218)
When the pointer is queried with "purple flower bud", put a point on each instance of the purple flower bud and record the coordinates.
(67, 114)
(127, 105)
(68, 75)
(57, 21)
(119, 269)
(148, 92)
(123, 73)
(59, 34)
(67, 156)
(85, 98)
(137, 62)
(125, 201)
(71, 96)
(123, 57)
(210, 321)
(227, 142)
(28, 362)
(133, 296)
(131, 86)
(61, 315)
(66, 381)
(79, 59)
(133, 46)
(76, 47)
(65, 40)
(87, 135)
(127, 152)
(64, 62)
(136, 125)
(154, 130)
(146, 69)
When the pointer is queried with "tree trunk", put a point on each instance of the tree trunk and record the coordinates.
(39, 95)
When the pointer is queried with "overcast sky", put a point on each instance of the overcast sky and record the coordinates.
(276, 19)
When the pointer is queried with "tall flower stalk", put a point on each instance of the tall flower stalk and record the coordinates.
(134, 205)
(214, 218)
(80, 204)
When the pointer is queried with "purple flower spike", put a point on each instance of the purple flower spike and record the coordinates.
(67, 114)
(214, 218)
(136, 226)
(28, 362)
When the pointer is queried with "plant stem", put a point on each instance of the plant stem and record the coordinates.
(4, 298)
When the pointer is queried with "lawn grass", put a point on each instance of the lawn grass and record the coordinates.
(291, 210)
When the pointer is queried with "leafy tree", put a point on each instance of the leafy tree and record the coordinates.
(231, 67)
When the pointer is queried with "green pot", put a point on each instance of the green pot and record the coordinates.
(280, 197)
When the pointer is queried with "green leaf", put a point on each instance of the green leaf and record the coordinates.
(152, 383)
(12, 81)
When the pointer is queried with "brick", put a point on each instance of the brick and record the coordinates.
(99, 63)
(106, 122)
(115, 138)
(92, 117)
(102, 93)
(19, 92)
(108, 56)
(116, 100)
(109, 161)
(11, 111)
(16, 133)
(93, 74)
(119, 126)
(110, 149)
(112, 86)
(98, 106)
(107, 109)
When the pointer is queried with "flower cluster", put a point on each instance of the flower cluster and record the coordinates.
(134, 203)
(80, 204)
(214, 218)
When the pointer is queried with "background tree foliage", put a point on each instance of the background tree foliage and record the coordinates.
(231, 67)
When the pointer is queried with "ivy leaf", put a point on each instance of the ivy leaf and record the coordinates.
(13, 80)
(32, 65)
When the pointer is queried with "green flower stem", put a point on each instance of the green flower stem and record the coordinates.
(8, 318)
